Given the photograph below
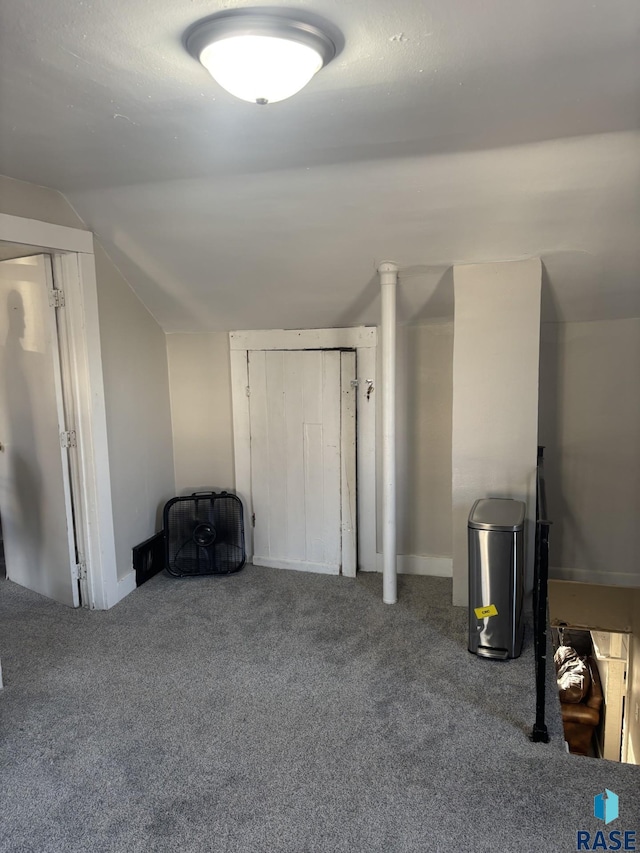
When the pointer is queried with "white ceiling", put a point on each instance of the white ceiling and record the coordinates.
(443, 132)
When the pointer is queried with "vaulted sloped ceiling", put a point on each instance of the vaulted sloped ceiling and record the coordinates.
(442, 133)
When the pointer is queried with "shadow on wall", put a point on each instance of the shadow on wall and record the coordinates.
(138, 265)
(589, 412)
(21, 507)
(361, 304)
(439, 304)
(424, 403)
(552, 392)
(424, 410)
(424, 293)
(549, 404)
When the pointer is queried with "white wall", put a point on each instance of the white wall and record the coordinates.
(495, 394)
(136, 382)
(136, 387)
(18, 198)
(424, 400)
(200, 383)
(590, 424)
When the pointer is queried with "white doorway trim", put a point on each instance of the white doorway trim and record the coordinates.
(72, 254)
(348, 464)
(44, 235)
(363, 340)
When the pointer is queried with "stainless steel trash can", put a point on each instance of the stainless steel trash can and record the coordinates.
(496, 577)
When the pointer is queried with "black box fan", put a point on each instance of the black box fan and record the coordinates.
(204, 534)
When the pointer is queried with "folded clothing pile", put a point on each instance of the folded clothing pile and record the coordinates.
(573, 676)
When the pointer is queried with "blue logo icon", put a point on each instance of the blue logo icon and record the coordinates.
(605, 806)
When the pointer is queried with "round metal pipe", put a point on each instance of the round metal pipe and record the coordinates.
(388, 273)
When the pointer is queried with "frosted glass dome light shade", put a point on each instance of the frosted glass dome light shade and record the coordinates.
(260, 58)
(261, 69)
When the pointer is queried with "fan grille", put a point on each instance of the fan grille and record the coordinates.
(204, 534)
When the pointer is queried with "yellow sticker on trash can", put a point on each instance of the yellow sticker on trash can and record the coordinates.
(483, 612)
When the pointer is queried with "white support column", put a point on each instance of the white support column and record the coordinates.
(388, 283)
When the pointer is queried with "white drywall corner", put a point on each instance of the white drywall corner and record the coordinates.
(495, 396)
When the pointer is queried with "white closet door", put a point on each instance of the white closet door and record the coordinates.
(296, 459)
(35, 493)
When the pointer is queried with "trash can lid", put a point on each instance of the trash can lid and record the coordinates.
(497, 514)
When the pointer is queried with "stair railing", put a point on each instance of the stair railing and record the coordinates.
(540, 733)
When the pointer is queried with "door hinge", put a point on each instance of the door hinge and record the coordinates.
(68, 438)
(56, 298)
(80, 571)
(253, 520)
(248, 391)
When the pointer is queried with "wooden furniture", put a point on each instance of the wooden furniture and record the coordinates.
(580, 719)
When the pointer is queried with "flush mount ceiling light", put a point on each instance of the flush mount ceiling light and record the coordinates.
(257, 57)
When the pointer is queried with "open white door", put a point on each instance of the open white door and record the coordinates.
(35, 493)
(297, 470)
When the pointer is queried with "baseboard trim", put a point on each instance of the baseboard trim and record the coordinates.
(296, 566)
(417, 564)
(624, 579)
(126, 585)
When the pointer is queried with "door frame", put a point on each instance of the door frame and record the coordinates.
(361, 339)
(73, 261)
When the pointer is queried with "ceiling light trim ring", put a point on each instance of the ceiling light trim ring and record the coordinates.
(207, 32)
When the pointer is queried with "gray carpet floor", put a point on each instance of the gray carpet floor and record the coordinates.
(278, 711)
